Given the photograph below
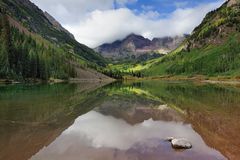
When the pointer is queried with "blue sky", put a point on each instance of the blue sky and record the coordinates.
(94, 22)
(163, 7)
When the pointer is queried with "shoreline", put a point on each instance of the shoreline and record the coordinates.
(199, 79)
(55, 81)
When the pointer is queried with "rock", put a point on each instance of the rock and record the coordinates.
(181, 143)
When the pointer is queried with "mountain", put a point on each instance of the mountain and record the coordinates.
(135, 45)
(35, 20)
(217, 26)
(35, 46)
(57, 25)
(213, 48)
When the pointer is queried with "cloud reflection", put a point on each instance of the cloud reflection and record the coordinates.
(93, 132)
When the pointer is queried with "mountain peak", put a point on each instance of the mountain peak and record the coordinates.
(136, 45)
(133, 35)
(137, 41)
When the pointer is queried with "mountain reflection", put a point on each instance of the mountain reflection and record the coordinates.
(123, 120)
(95, 134)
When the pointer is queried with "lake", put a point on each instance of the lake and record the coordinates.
(119, 121)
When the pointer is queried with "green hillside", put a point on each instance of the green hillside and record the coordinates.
(213, 48)
(31, 47)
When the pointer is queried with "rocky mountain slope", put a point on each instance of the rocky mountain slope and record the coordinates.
(33, 45)
(135, 45)
(213, 49)
(57, 25)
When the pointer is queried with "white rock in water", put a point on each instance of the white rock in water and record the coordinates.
(181, 143)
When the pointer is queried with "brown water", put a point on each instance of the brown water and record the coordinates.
(121, 121)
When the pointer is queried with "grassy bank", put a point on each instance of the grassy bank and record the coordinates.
(197, 78)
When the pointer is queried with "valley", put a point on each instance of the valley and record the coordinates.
(119, 80)
(212, 50)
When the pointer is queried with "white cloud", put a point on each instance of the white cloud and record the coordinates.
(70, 11)
(103, 26)
(94, 22)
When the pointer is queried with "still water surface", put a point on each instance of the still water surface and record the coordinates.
(120, 121)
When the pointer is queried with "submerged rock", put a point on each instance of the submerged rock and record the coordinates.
(181, 143)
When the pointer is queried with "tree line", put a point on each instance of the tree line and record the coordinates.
(24, 57)
(117, 74)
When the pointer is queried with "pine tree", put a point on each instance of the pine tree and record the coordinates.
(5, 47)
